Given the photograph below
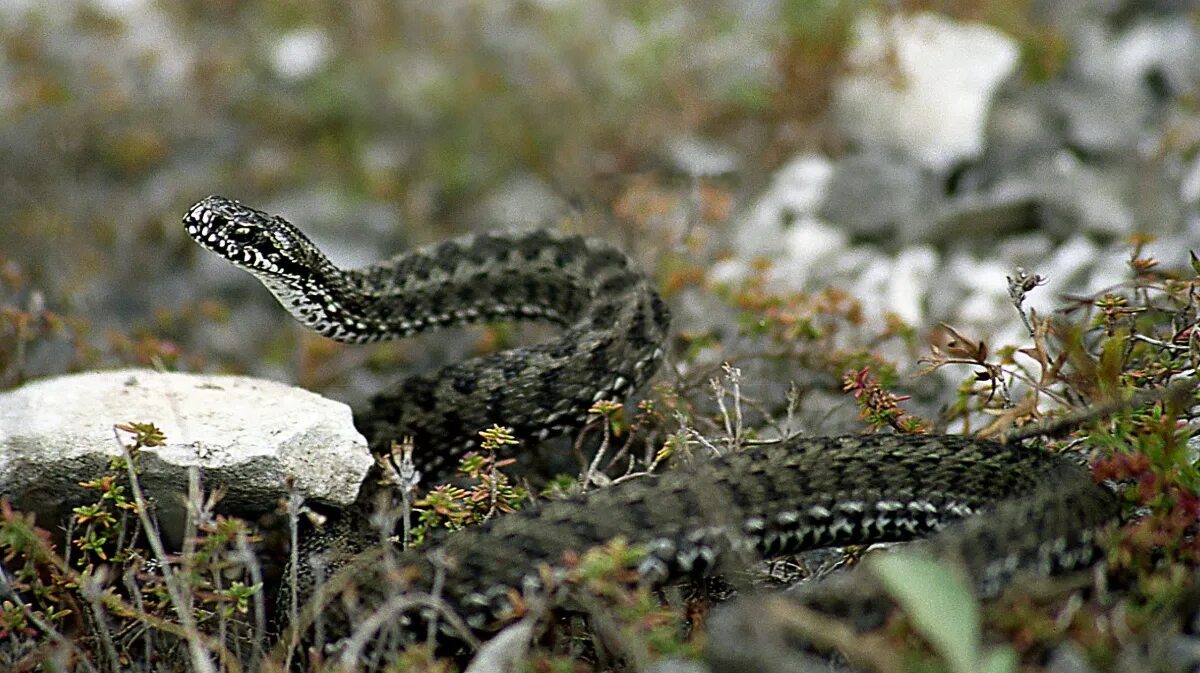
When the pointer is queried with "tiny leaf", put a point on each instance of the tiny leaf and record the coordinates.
(1000, 660)
(939, 603)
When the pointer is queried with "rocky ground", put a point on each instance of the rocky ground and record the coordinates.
(913, 159)
(914, 155)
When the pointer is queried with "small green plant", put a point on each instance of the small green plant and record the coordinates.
(878, 407)
(103, 524)
(629, 618)
(119, 580)
(454, 507)
(37, 585)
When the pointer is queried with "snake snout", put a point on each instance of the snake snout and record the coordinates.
(216, 222)
(207, 220)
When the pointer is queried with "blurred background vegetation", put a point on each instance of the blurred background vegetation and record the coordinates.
(377, 125)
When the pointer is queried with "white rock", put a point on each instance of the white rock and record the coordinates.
(523, 200)
(913, 278)
(124, 8)
(506, 652)
(807, 246)
(728, 272)
(1189, 186)
(799, 186)
(872, 283)
(698, 157)
(986, 303)
(782, 224)
(677, 666)
(247, 435)
(796, 192)
(1064, 271)
(300, 53)
(923, 84)
(1110, 268)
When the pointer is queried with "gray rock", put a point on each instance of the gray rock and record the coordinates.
(987, 215)
(1071, 196)
(1083, 197)
(1109, 100)
(1067, 13)
(1183, 653)
(873, 194)
(1025, 123)
(248, 436)
(1068, 658)
(1057, 194)
(1027, 250)
(1062, 196)
(699, 157)
(1100, 119)
(677, 666)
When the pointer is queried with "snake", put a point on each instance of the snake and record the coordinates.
(995, 509)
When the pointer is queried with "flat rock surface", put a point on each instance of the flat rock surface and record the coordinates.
(247, 435)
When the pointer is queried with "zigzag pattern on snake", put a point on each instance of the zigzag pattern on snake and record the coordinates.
(806, 493)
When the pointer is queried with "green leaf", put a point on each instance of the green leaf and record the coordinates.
(939, 603)
(1112, 363)
(1000, 660)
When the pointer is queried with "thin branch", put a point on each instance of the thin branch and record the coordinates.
(175, 591)
(1177, 389)
(392, 608)
(42, 625)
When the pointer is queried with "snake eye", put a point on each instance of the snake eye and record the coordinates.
(241, 234)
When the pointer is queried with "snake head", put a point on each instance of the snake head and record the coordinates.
(265, 245)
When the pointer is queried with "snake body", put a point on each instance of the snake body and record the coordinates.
(797, 496)
(613, 321)
(805, 493)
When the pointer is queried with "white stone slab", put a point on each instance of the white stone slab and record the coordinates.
(923, 84)
(247, 435)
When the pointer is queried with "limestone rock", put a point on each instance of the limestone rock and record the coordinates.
(790, 205)
(247, 435)
(923, 85)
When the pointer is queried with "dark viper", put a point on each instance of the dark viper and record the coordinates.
(806, 493)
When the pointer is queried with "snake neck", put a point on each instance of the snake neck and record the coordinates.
(325, 300)
(614, 325)
(613, 321)
(531, 276)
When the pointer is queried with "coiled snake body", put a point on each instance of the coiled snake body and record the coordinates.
(806, 493)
